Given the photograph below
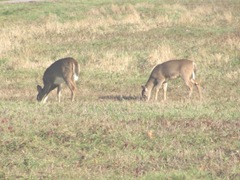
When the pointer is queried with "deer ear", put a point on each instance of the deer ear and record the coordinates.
(39, 88)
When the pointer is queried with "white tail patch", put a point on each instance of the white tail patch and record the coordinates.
(171, 70)
(75, 77)
(63, 70)
(193, 75)
(194, 68)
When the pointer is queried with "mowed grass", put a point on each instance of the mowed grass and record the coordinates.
(108, 132)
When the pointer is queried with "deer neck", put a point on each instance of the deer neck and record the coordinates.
(150, 83)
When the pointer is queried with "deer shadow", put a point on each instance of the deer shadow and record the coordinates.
(120, 98)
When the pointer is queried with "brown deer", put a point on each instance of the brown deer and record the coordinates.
(63, 70)
(171, 69)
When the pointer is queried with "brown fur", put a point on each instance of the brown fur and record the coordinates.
(60, 71)
(170, 70)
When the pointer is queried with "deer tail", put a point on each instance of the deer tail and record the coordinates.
(194, 71)
(76, 70)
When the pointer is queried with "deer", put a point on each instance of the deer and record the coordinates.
(172, 69)
(63, 70)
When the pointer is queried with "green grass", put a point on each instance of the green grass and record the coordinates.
(108, 132)
(110, 139)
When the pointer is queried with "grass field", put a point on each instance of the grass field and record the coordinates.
(108, 132)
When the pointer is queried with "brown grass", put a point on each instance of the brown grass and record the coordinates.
(101, 21)
(108, 132)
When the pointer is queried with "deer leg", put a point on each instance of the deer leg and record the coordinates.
(198, 88)
(59, 88)
(158, 86)
(46, 90)
(72, 87)
(53, 87)
(165, 91)
(156, 95)
(190, 86)
(45, 99)
(49, 89)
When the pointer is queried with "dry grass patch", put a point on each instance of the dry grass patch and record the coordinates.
(162, 53)
(113, 62)
(108, 132)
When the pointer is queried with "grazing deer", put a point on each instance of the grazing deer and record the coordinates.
(170, 70)
(63, 70)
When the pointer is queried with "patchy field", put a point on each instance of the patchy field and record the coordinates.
(108, 132)
(19, 1)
